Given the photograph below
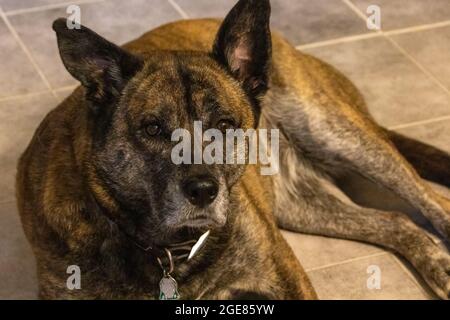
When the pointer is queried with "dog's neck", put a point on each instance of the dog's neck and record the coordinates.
(175, 253)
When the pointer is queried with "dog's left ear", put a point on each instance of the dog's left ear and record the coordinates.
(102, 67)
(244, 46)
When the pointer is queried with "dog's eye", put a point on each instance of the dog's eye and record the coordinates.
(153, 129)
(224, 125)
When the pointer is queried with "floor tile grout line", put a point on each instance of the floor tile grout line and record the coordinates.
(26, 51)
(419, 123)
(325, 43)
(178, 8)
(418, 28)
(410, 275)
(330, 265)
(24, 95)
(61, 4)
(69, 87)
(374, 34)
(37, 93)
(358, 12)
(355, 9)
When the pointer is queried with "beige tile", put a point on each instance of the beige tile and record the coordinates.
(396, 91)
(17, 74)
(9, 5)
(118, 21)
(20, 118)
(316, 251)
(349, 281)
(301, 21)
(431, 48)
(17, 264)
(401, 13)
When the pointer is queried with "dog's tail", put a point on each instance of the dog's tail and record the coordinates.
(430, 163)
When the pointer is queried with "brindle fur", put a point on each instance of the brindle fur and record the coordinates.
(82, 174)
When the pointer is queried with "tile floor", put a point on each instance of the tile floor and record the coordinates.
(404, 73)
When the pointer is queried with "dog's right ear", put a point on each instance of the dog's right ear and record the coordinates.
(102, 67)
(243, 44)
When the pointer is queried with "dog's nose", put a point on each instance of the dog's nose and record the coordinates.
(200, 191)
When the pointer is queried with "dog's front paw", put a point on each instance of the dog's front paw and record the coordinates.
(436, 272)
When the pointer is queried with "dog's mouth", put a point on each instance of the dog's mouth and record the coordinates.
(187, 221)
(201, 221)
(214, 216)
(183, 234)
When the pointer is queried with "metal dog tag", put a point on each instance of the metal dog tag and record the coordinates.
(168, 288)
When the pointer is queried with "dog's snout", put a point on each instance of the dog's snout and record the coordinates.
(201, 191)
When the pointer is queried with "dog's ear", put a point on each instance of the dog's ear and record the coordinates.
(243, 44)
(102, 67)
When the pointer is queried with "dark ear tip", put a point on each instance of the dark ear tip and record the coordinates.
(265, 3)
(59, 24)
(257, 3)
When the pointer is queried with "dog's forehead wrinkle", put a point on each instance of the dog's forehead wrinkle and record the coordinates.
(204, 97)
(180, 93)
(186, 85)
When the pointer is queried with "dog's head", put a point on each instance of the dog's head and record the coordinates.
(135, 104)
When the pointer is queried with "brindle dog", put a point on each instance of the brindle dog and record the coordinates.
(97, 178)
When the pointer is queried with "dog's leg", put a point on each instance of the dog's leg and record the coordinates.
(431, 163)
(338, 136)
(305, 204)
